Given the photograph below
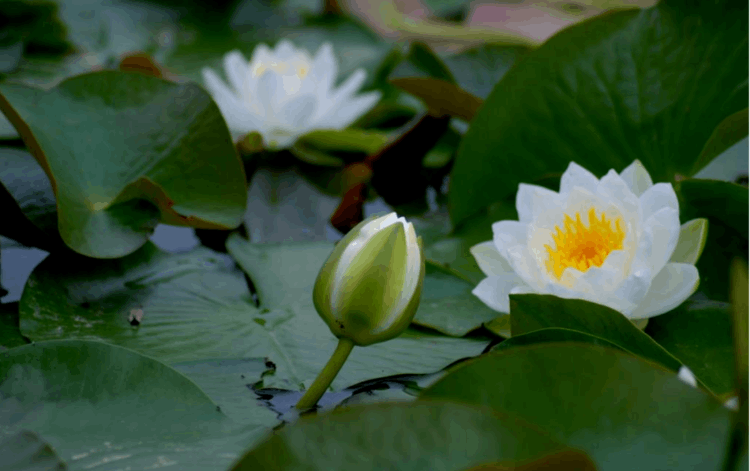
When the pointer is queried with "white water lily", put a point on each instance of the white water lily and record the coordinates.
(615, 241)
(284, 93)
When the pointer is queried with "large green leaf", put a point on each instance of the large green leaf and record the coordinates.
(447, 304)
(699, 334)
(647, 84)
(284, 276)
(553, 335)
(229, 382)
(30, 212)
(530, 312)
(124, 151)
(478, 70)
(435, 436)
(195, 309)
(625, 412)
(10, 332)
(26, 451)
(98, 403)
(727, 133)
(725, 205)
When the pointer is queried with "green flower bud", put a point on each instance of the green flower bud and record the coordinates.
(369, 288)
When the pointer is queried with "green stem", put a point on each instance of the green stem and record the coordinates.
(326, 376)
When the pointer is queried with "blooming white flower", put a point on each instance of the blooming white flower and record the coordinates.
(615, 241)
(284, 93)
(686, 376)
(369, 288)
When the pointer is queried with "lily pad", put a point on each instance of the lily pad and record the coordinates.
(699, 334)
(97, 403)
(435, 436)
(725, 205)
(30, 211)
(27, 451)
(447, 304)
(605, 92)
(530, 312)
(124, 151)
(10, 332)
(553, 335)
(195, 308)
(284, 276)
(624, 412)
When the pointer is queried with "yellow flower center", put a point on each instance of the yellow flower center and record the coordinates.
(580, 247)
(292, 72)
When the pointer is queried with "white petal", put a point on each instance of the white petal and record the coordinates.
(350, 86)
(532, 200)
(687, 376)
(577, 176)
(691, 242)
(507, 234)
(237, 70)
(284, 50)
(637, 178)
(658, 238)
(633, 289)
(525, 267)
(489, 259)
(657, 197)
(493, 291)
(673, 285)
(239, 118)
(324, 69)
(614, 188)
(610, 275)
(296, 113)
(268, 99)
(346, 113)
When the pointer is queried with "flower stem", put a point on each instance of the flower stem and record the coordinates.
(326, 376)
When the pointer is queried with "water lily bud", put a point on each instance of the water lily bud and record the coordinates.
(369, 288)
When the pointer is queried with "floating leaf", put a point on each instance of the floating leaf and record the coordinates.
(623, 411)
(196, 309)
(603, 93)
(699, 334)
(124, 151)
(530, 312)
(98, 403)
(398, 436)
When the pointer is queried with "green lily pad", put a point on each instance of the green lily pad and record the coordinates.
(228, 382)
(553, 335)
(29, 202)
(439, 436)
(284, 276)
(193, 309)
(97, 403)
(124, 151)
(447, 304)
(624, 412)
(27, 451)
(603, 93)
(530, 312)
(727, 133)
(699, 334)
(725, 206)
(479, 69)
(10, 332)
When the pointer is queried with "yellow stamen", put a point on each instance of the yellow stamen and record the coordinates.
(581, 247)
